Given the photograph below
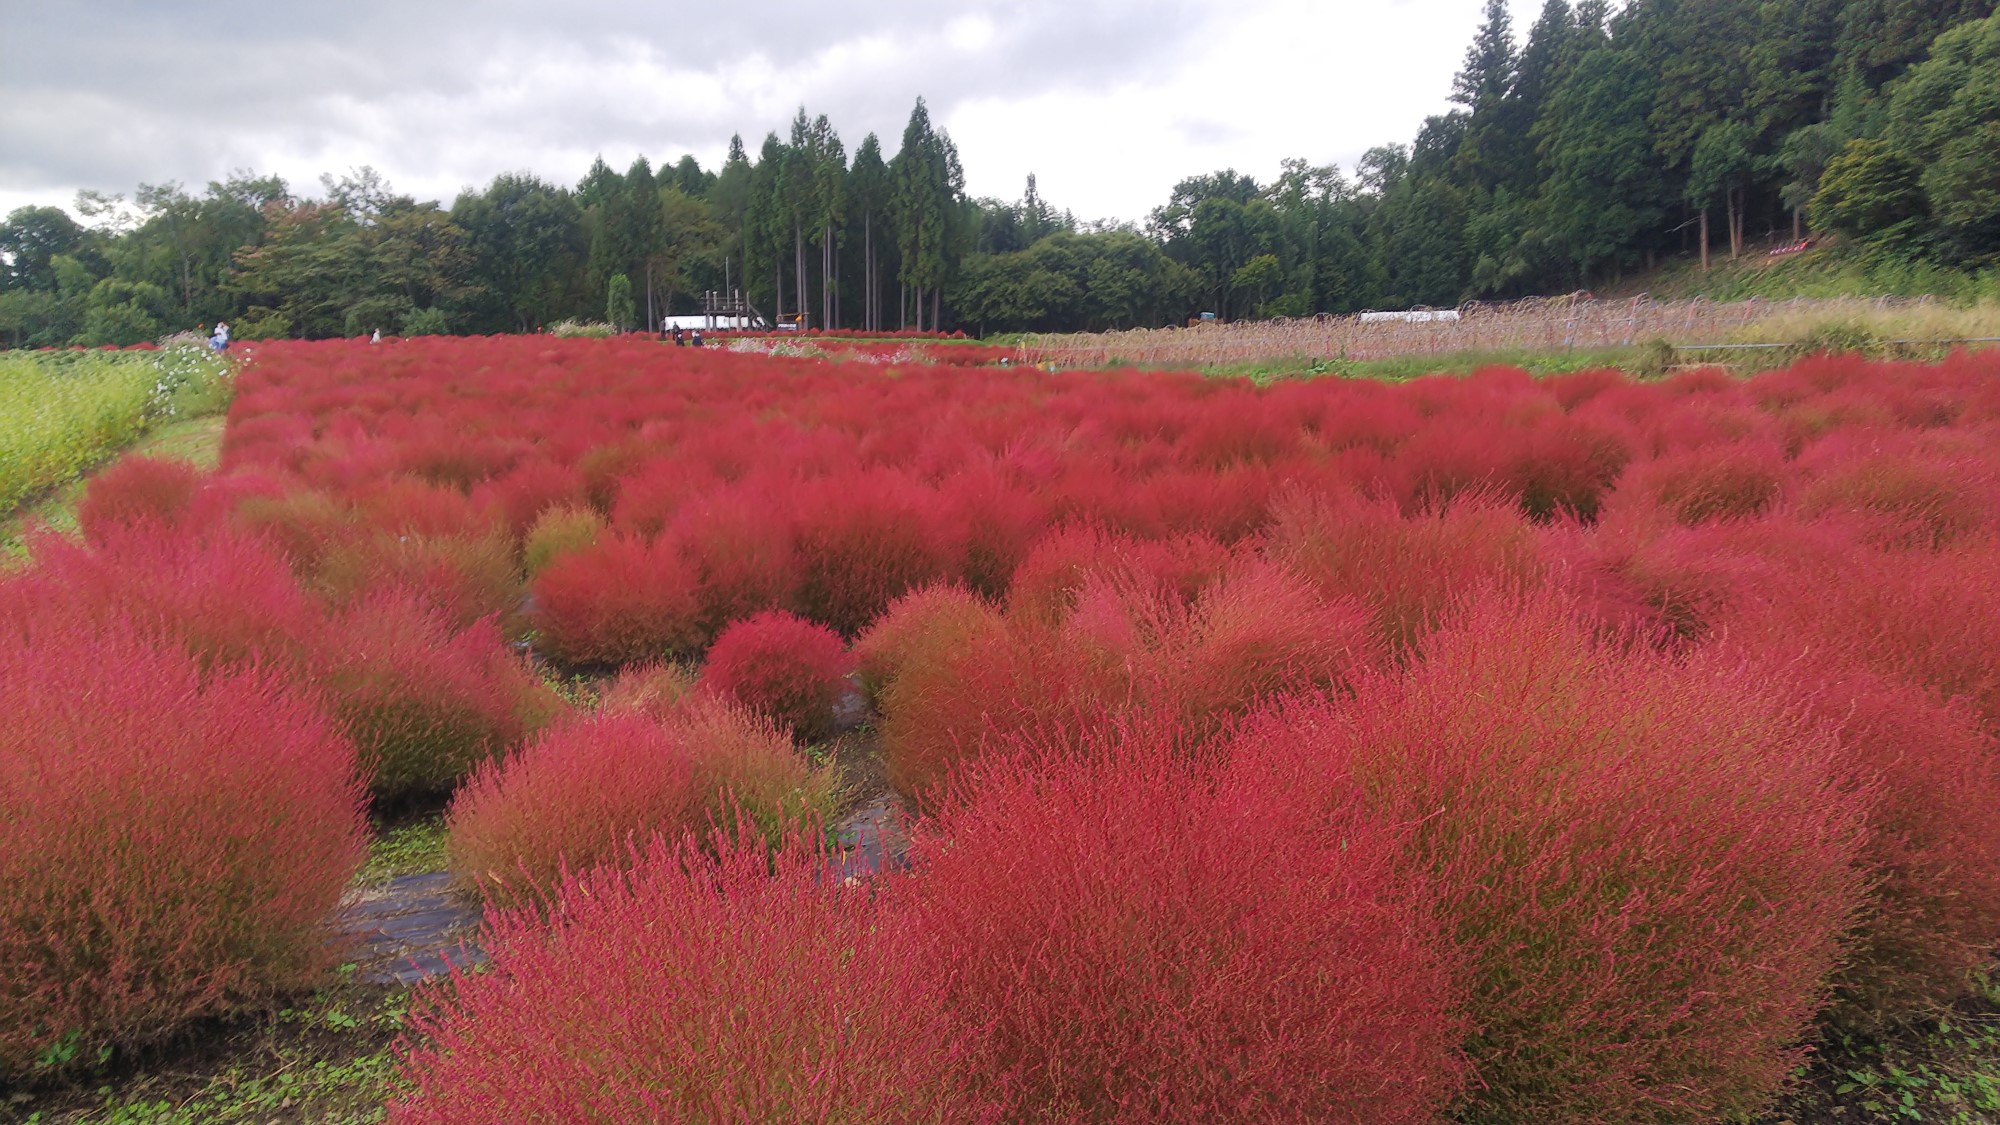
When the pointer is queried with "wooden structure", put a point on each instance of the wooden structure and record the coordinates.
(727, 310)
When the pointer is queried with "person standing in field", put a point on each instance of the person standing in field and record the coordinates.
(220, 341)
(695, 338)
(376, 338)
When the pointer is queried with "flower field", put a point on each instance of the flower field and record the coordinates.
(1493, 749)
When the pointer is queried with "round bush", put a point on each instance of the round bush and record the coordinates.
(558, 532)
(138, 490)
(1256, 634)
(466, 578)
(748, 987)
(919, 622)
(425, 704)
(658, 689)
(1147, 946)
(1729, 482)
(783, 667)
(1409, 570)
(1646, 869)
(171, 844)
(618, 601)
(1933, 845)
(578, 796)
(948, 708)
(866, 538)
(585, 793)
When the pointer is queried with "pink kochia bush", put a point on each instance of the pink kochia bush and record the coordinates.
(171, 843)
(783, 667)
(587, 792)
(138, 490)
(425, 704)
(1645, 870)
(739, 986)
(1934, 840)
(617, 601)
(1148, 944)
(957, 679)
(915, 625)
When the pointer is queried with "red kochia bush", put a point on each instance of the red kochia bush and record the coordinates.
(424, 703)
(138, 490)
(1147, 947)
(1929, 618)
(956, 701)
(1409, 570)
(464, 577)
(171, 844)
(1736, 481)
(570, 800)
(866, 538)
(1933, 845)
(617, 601)
(1258, 633)
(228, 598)
(919, 622)
(583, 792)
(659, 689)
(784, 667)
(1646, 870)
(742, 988)
(740, 541)
(1061, 563)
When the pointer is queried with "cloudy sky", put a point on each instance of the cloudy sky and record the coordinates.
(1109, 102)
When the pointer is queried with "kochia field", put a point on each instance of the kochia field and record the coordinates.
(1560, 750)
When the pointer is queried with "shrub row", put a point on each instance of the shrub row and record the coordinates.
(1540, 875)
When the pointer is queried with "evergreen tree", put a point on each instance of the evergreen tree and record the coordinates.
(618, 306)
(928, 185)
(869, 196)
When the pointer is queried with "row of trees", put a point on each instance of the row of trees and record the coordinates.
(1594, 146)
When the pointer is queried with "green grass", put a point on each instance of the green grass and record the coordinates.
(416, 848)
(1398, 369)
(1832, 270)
(62, 411)
(327, 1060)
(65, 414)
(1946, 1070)
(197, 440)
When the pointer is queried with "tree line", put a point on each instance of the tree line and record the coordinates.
(1591, 147)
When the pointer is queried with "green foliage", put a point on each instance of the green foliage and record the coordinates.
(329, 1060)
(1720, 164)
(1603, 186)
(67, 410)
(1944, 119)
(263, 324)
(1066, 281)
(1945, 1070)
(409, 849)
(618, 306)
(1869, 190)
(426, 322)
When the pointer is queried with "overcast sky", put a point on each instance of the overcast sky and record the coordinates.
(1108, 102)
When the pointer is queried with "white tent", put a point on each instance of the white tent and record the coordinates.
(688, 323)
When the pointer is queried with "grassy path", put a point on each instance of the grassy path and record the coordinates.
(194, 440)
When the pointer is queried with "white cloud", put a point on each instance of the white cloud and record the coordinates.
(1110, 102)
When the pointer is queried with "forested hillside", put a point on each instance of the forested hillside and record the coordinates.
(1590, 146)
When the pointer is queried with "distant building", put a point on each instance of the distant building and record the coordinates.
(1411, 316)
(710, 323)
